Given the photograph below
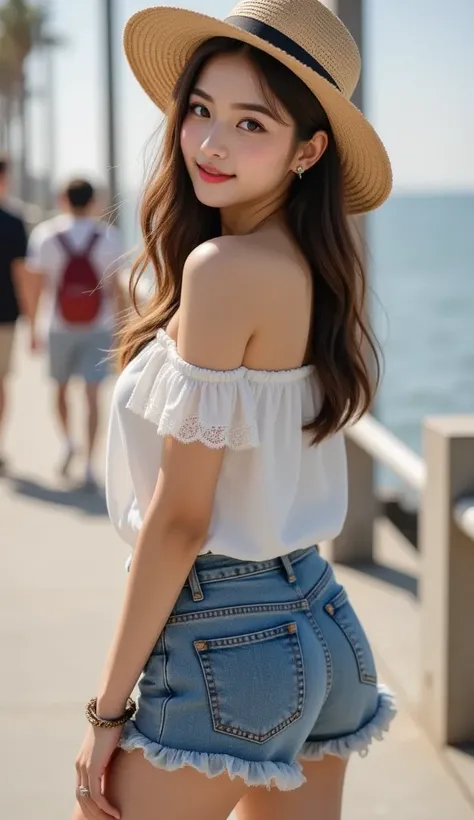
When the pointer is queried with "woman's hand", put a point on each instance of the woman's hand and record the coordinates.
(91, 763)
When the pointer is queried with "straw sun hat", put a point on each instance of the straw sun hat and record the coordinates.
(302, 34)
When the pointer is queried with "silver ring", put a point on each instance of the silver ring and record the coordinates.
(84, 791)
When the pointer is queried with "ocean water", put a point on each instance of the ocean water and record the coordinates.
(421, 272)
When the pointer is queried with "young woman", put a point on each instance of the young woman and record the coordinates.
(226, 459)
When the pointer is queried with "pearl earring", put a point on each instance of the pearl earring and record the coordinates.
(300, 171)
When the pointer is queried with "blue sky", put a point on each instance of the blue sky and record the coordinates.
(419, 60)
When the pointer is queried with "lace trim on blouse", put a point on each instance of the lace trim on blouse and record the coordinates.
(193, 404)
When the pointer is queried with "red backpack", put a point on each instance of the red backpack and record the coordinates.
(79, 294)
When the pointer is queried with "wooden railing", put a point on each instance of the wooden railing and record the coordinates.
(444, 482)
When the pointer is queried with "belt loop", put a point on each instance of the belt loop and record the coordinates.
(288, 569)
(196, 589)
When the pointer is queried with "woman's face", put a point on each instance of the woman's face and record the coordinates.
(235, 151)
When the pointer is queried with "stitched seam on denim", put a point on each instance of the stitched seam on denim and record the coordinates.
(214, 698)
(210, 686)
(300, 675)
(230, 611)
(209, 577)
(167, 686)
(364, 674)
(340, 599)
(327, 654)
(306, 551)
(248, 638)
(232, 576)
(316, 627)
(321, 586)
(195, 585)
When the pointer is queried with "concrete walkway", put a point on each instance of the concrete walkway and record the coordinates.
(60, 588)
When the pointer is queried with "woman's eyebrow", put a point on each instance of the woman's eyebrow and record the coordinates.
(261, 109)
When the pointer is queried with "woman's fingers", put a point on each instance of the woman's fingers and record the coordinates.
(99, 798)
(82, 789)
(84, 797)
(93, 759)
(91, 810)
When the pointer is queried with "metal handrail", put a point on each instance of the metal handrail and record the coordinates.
(386, 448)
(464, 515)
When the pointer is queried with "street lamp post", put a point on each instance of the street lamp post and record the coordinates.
(51, 141)
(351, 13)
(111, 142)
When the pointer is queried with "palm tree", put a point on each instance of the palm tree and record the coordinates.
(23, 27)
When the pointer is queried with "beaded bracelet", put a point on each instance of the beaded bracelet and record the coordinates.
(103, 723)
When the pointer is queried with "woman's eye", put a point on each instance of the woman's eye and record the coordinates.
(199, 109)
(251, 125)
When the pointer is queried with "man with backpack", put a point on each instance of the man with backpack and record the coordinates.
(75, 301)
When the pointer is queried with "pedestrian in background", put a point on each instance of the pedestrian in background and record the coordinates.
(75, 302)
(13, 242)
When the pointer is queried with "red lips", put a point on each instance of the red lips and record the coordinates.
(209, 173)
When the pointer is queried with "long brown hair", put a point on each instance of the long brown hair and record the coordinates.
(174, 222)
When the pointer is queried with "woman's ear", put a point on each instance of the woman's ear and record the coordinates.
(310, 153)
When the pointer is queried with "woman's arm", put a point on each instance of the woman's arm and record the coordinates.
(215, 325)
(171, 537)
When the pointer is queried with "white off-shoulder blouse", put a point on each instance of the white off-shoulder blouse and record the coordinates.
(275, 493)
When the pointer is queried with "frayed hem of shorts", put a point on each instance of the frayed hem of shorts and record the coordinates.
(357, 741)
(283, 776)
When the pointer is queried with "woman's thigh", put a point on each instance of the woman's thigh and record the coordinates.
(141, 791)
(320, 798)
(144, 792)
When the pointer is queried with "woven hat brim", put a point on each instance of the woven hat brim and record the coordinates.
(158, 43)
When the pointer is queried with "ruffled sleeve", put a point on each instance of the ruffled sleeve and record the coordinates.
(216, 408)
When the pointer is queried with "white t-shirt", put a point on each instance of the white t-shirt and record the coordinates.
(276, 493)
(47, 256)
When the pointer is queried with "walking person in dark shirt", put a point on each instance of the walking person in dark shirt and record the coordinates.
(13, 244)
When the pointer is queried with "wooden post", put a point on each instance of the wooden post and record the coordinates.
(447, 583)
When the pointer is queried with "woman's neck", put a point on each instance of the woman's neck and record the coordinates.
(244, 219)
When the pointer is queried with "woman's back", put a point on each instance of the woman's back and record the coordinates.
(268, 280)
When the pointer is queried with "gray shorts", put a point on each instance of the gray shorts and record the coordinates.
(84, 353)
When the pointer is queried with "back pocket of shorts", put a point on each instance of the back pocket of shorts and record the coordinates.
(255, 682)
(341, 611)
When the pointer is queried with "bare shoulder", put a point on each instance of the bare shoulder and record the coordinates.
(217, 314)
(234, 288)
(218, 259)
(235, 262)
(221, 273)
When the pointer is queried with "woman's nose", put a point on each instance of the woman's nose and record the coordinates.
(214, 144)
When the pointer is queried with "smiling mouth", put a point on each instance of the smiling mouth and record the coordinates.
(213, 175)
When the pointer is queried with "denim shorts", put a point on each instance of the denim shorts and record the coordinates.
(260, 665)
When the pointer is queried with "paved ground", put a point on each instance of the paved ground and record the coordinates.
(60, 587)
